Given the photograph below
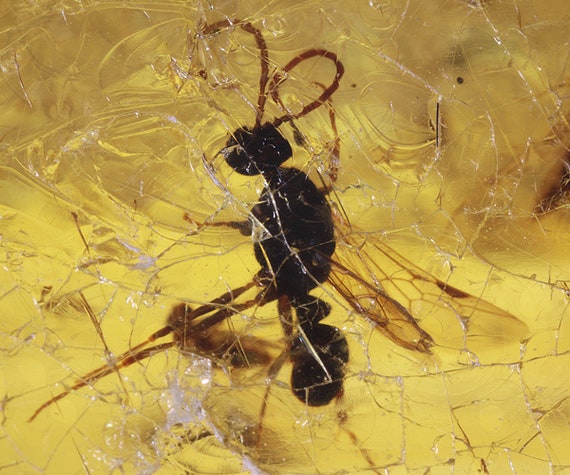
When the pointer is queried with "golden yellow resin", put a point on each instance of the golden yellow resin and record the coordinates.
(452, 198)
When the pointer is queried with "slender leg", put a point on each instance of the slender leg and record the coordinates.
(181, 323)
(244, 227)
(285, 317)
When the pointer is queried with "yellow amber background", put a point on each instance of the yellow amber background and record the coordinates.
(453, 122)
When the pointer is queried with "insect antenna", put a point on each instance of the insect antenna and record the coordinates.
(263, 57)
(279, 78)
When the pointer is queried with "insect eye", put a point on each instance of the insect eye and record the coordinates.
(254, 151)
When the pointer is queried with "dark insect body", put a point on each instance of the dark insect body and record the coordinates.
(294, 253)
(299, 239)
(297, 252)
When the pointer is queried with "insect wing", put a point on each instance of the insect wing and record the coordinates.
(413, 308)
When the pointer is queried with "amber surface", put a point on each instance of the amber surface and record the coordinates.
(454, 171)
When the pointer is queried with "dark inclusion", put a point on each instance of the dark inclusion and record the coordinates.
(296, 251)
(559, 192)
(293, 211)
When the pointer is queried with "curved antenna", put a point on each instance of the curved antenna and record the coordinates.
(328, 91)
(263, 57)
(335, 152)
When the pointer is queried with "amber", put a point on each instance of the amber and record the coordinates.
(452, 204)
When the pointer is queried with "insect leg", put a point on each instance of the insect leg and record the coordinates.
(178, 323)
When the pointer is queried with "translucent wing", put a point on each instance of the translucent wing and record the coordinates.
(413, 308)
